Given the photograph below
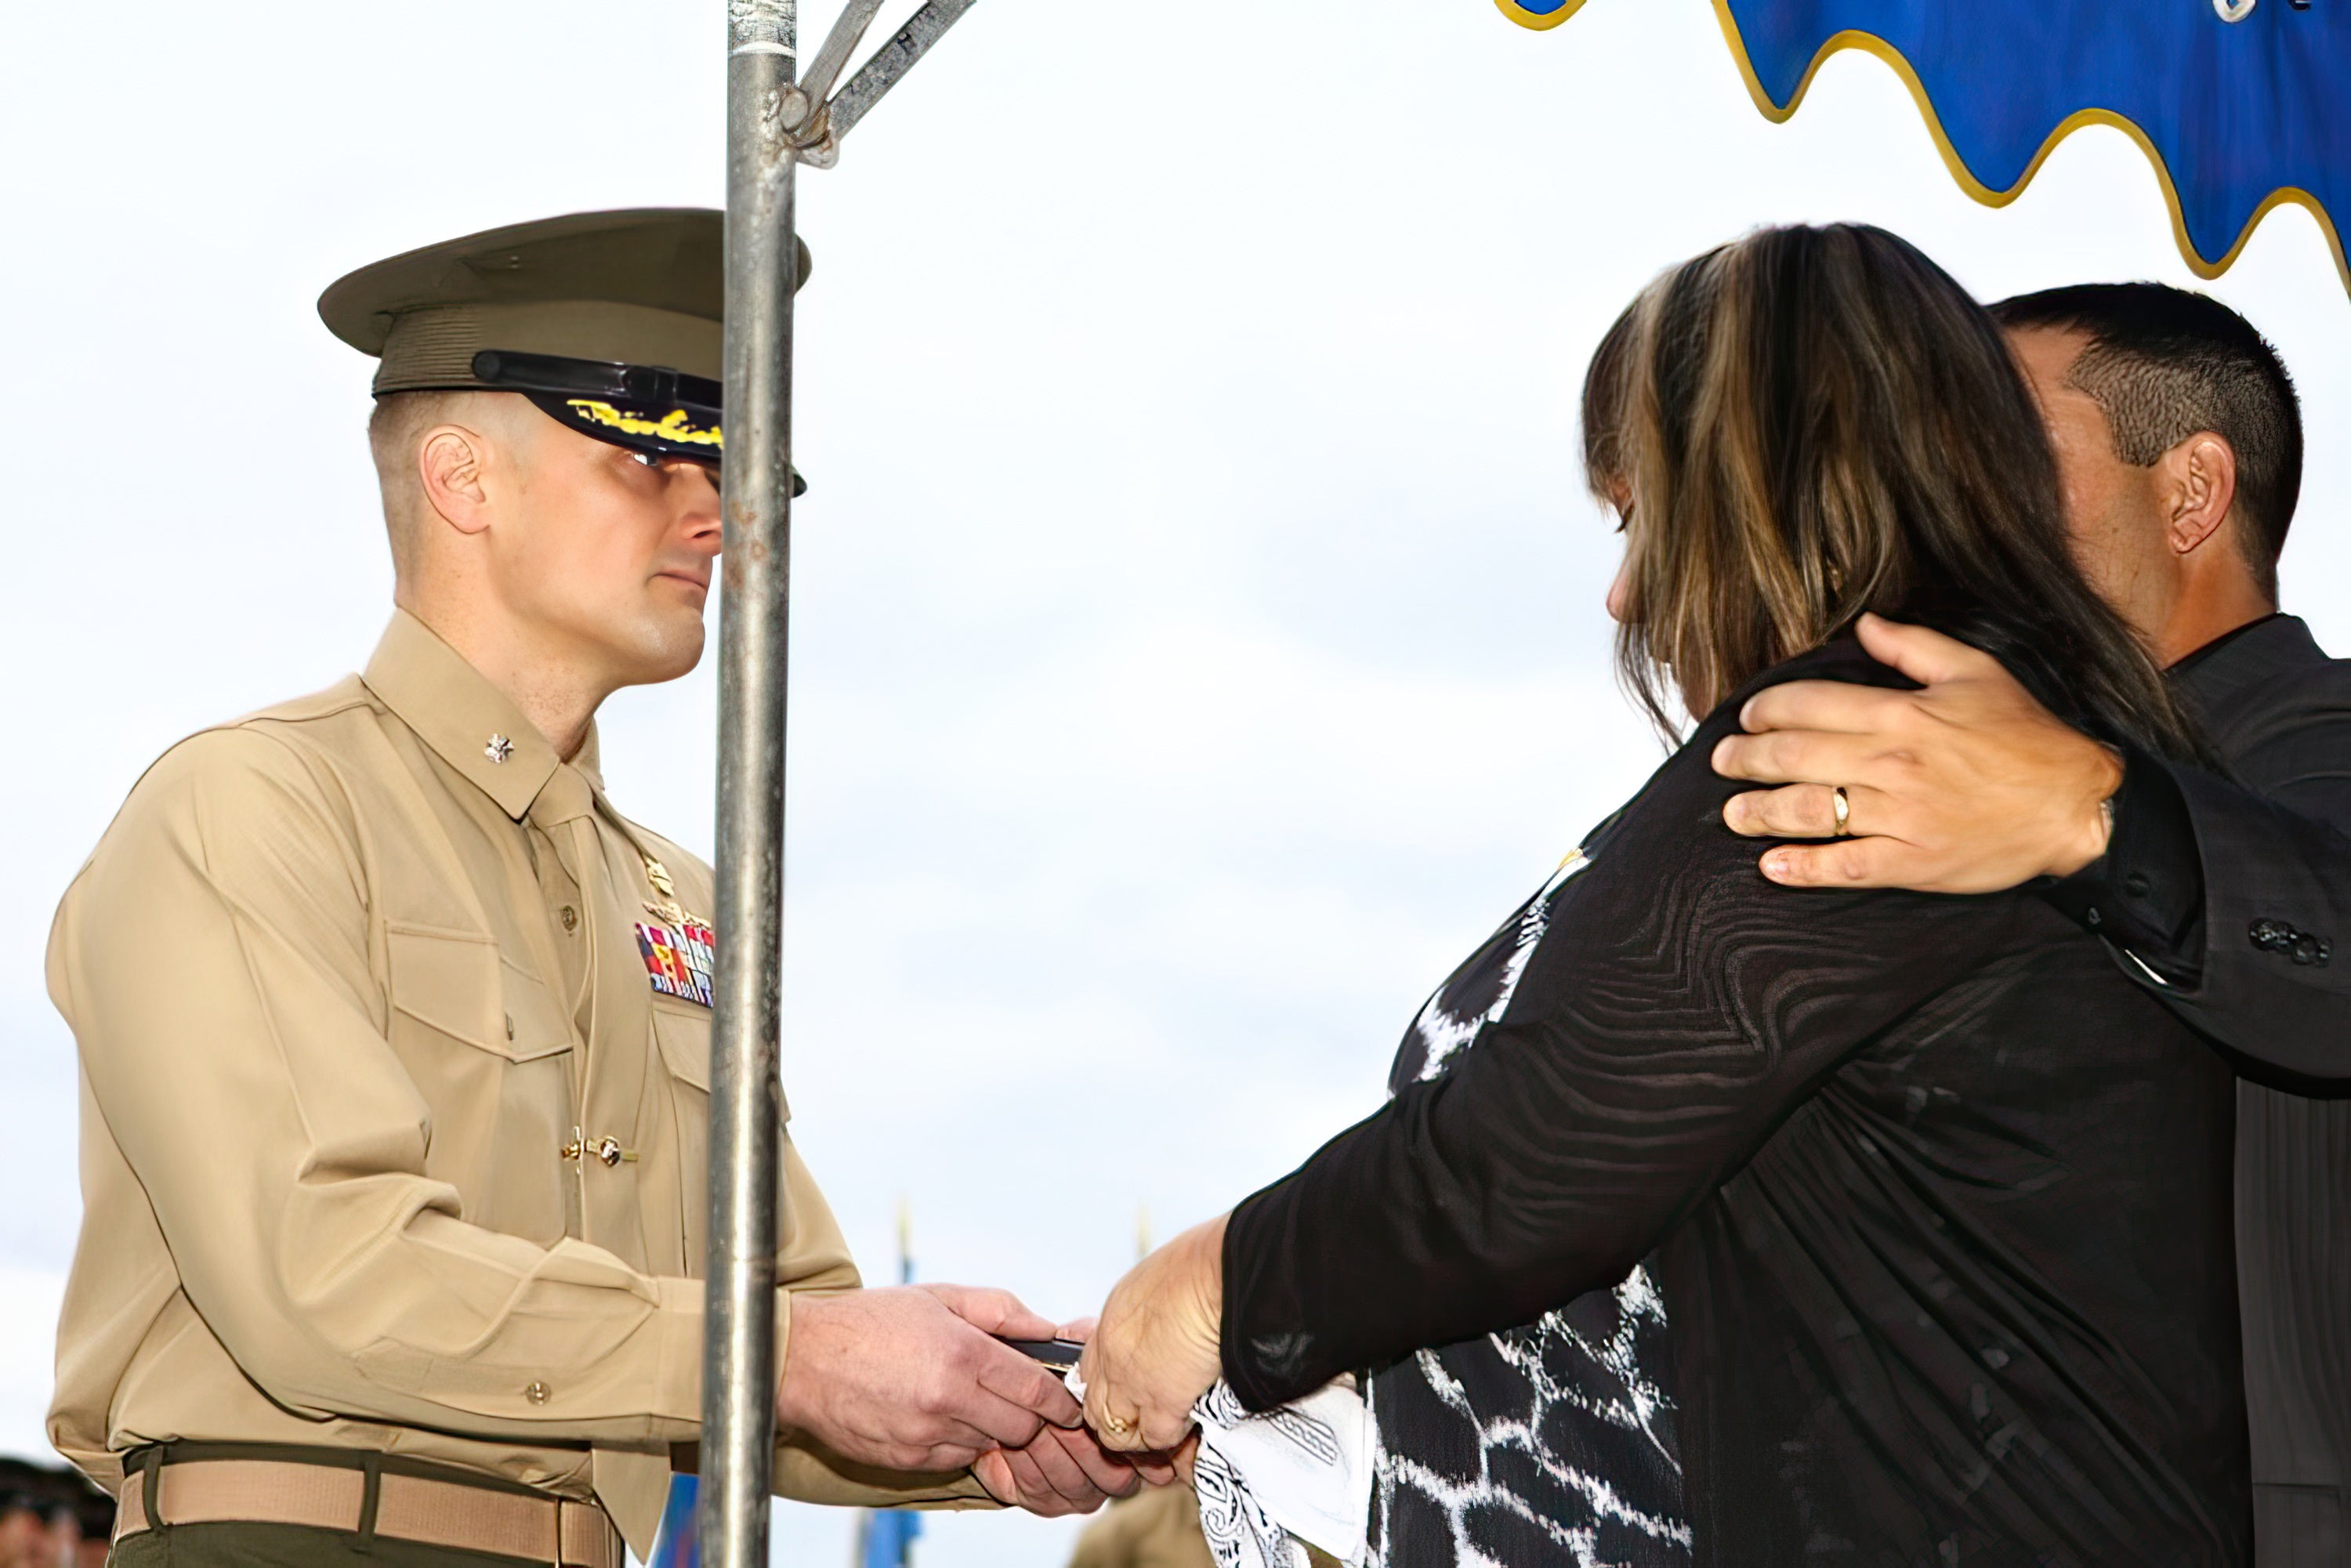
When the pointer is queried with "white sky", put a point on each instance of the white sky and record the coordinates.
(1198, 643)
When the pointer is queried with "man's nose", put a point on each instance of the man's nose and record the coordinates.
(700, 516)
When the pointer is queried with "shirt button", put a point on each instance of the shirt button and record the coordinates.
(536, 1393)
(570, 918)
(2093, 916)
(2135, 885)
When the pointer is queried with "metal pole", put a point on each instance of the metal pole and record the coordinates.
(739, 1388)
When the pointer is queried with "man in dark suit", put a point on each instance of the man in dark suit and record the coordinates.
(2179, 446)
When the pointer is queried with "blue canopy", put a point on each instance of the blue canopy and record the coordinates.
(2237, 115)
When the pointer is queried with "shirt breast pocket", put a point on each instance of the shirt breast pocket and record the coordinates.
(491, 1056)
(682, 1033)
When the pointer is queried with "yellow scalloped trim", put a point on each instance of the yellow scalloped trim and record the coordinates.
(1870, 43)
(1525, 19)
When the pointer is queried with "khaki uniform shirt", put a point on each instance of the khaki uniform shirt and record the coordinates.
(1156, 1528)
(353, 980)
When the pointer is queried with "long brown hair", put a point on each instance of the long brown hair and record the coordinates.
(1813, 423)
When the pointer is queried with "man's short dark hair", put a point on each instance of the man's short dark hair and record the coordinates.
(2164, 363)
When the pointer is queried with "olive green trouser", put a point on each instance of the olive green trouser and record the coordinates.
(237, 1544)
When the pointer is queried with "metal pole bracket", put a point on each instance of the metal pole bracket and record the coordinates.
(814, 124)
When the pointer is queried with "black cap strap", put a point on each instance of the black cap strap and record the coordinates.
(594, 378)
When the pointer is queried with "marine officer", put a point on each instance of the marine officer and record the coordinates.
(394, 1032)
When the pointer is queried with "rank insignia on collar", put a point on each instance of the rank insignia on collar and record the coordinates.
(680, 958)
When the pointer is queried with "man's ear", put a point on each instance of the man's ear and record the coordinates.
(2199, 487)
(449, 461)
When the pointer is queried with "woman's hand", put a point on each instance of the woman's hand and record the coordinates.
(1156, 1351)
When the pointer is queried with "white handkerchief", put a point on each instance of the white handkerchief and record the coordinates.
(1305, 1468)
(1267, 1482)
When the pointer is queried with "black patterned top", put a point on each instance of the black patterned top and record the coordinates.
(1549, 1443)
(1939, 1205)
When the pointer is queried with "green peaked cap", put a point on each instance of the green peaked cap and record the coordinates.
(611, 322)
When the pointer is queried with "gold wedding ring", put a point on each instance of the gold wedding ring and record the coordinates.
(1116, 1425)
(1844, 809)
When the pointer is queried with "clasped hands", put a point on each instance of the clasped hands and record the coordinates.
(917, 1378)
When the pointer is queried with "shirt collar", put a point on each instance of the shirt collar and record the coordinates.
(2189, 661)
(590, 759)
(474, 727)
(2222, 674)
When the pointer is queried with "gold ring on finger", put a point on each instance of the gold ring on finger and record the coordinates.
(1117, 1426)
(1844, 809)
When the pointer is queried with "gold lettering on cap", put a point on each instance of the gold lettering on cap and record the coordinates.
(675, 425)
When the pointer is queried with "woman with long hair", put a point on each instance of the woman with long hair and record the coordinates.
(1710, 1218)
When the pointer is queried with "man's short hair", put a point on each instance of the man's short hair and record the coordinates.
(2164, 363)
(393, 427)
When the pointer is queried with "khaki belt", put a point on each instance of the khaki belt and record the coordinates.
(407, 1508)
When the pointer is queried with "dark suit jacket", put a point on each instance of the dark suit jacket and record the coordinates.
(2240, 896)
(2232, 902)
